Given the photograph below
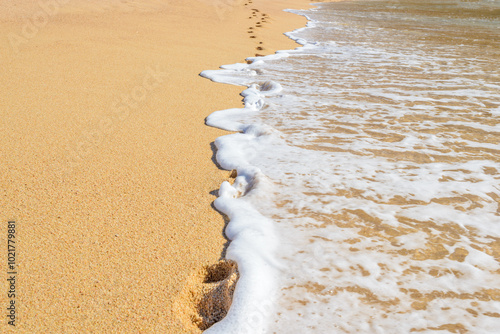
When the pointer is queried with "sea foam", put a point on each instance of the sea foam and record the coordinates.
(368, 190)
(253, 239)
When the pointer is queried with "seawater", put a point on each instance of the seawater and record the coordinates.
(368, 190)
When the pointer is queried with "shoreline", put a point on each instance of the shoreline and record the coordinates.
(108, 167)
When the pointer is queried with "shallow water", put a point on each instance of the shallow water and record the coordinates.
(378, 164)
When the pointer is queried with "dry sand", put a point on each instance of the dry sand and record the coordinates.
(106, 164)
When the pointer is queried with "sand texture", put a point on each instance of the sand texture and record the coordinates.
(106, 164)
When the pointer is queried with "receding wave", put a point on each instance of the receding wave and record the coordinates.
(376, 152)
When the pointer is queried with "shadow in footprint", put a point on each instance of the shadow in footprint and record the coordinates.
(207, 295)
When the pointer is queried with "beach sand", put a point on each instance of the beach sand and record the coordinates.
(106, 164)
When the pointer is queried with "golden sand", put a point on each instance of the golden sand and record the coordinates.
(106, 164)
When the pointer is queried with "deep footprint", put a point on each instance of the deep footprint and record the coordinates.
(207, 295)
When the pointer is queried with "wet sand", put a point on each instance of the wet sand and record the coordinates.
(106, 164)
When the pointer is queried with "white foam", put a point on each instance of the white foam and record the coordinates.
(367, 169)
(253, 240)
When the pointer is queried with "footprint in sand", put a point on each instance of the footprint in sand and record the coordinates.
(207, 294)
